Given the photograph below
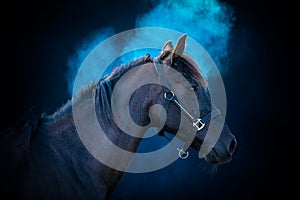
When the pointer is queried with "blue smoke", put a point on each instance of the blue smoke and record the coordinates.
(83, 49)
(209, 22)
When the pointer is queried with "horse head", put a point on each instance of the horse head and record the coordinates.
(203, 118)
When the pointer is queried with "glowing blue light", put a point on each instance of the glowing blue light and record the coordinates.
(209, 22)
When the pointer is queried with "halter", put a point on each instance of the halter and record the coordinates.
(197, 123)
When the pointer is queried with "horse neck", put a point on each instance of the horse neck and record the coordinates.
(100, 92)
(63, 125)
(107, 121)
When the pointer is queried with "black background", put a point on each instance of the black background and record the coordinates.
(37, 38)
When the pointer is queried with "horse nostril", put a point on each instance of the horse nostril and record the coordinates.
(232, 146)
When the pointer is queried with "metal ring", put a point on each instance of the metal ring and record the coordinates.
(182, 154)
(169, 96)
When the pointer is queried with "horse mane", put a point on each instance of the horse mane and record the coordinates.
(88, 91)
(120, 70)
(85, 92)
(189, 69)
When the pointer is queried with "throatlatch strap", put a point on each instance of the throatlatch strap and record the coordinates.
(211, 115)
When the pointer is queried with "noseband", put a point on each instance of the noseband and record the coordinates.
(197, 123)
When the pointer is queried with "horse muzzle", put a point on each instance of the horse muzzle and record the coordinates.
(221, 153)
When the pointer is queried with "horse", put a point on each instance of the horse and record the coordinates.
(45, 158)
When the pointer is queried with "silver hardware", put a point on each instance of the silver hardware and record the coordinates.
(182, 154)
(202, 124)
(170, 96)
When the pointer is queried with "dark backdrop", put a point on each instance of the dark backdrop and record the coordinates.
(37, 38)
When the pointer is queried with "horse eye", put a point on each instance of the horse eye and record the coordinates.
(195, 88)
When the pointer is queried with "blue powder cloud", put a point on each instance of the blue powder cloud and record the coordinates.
(209, 22)
(83, 49)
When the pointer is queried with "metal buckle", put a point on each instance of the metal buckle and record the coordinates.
(182, 154)
(202, 124)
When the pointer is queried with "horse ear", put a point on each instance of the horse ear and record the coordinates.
(173, 52)
(168, 47)
(180, 46)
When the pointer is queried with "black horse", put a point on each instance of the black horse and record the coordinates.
(45, 158)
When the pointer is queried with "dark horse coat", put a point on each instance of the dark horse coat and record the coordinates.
(44, 158)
